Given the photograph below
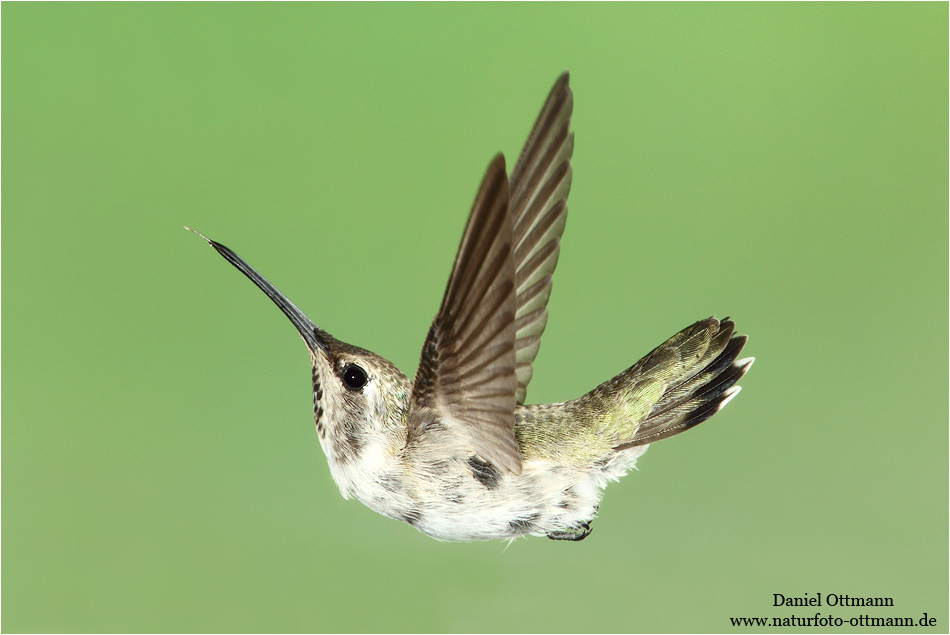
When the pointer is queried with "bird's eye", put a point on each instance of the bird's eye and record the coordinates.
(354, 377)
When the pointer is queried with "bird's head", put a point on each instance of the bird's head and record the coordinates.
(360, 399)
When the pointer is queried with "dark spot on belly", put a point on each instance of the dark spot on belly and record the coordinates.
(390, 483)
(484, 472)
(413, 517)
(524, 525)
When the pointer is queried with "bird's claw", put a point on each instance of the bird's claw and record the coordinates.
(571, 535)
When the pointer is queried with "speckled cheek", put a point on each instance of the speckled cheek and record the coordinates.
(318, 403)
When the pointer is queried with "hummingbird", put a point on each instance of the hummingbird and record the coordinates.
(456, 452)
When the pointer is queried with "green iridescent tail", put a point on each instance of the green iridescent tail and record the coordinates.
(681, 383)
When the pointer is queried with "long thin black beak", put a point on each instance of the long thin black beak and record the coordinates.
(311, 334)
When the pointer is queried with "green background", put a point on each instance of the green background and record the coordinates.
(782, 164)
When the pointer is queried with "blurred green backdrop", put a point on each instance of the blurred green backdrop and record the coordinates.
(783, 164)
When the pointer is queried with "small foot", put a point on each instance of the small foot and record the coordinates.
(571, 535)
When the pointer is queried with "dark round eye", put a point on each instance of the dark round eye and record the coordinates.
(354, 377)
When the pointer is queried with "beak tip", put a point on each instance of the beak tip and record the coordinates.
(210, 242)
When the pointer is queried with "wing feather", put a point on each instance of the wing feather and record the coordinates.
(479, 354)
(539, 185)
(466, 376)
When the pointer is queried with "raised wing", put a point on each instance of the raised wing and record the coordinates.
(466, 376)
(539, 185)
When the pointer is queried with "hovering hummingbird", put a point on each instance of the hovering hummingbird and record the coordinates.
(456, 453)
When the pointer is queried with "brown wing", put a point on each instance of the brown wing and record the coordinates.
(540, 183)
(466, 376)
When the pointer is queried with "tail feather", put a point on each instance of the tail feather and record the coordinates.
(700, 390)
(684, 391)
(716, 359)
